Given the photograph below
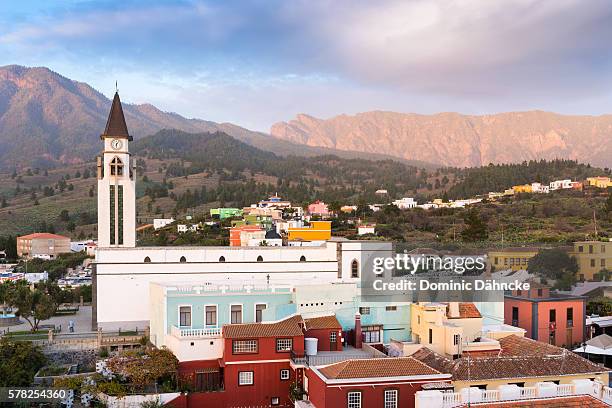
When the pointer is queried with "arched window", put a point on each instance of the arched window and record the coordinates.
(354, 269)
(147, 259)
(221, 259)
(259, 258)
(183, 259)
(116, 167)
(302, 258)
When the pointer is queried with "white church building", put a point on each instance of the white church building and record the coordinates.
(123, 272)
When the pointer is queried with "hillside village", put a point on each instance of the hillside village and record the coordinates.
(278, 312)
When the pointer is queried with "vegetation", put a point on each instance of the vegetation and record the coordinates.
(33, 305)
(55, 267)
(143, 368)
(19, 362)
(601, 306)
(556, 265)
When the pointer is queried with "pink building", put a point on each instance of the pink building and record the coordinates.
(318, 208)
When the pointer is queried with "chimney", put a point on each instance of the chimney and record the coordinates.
(453, 309)
(358, 335)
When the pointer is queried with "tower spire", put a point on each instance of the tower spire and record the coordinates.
(115, 124)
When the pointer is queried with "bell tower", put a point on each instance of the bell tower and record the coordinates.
(116, 184)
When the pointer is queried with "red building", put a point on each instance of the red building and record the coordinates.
(327, 330)
(547, 316)
(364, 383)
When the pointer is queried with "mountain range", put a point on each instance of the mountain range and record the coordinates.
(48, 120)
(452, 139)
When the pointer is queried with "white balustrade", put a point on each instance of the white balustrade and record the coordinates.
(192, 333)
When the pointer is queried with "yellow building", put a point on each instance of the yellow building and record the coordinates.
(599, 182)
(592, 257)
(317, 231)
(523, 188)
(512, 258)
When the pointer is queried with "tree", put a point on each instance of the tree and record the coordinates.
(19, 362)
(33, 305)
(64, 215)
(555, 264)
(601, 306)
(476, 229)
(144, 368)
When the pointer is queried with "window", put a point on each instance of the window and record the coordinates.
(354, 399)
(211, 315)
(590, 249)
(183, 259)
(456, 339)
(260, 258)
(244, 346)
(259, 308)
(496, 261)
(390, 398)
(245, 378)
(515, 316)
(185, 315)
(371, 334)
(519, 292)
(284, 345)
(116, 215)
(580, 249)
(302, 258)
(391, 308)
(570, 317)
(332, 337)
(539, 292)
(603, 249)
(430, 336)
(236, 314)
(284, 374)
(603, 263)
(593, 262)
(147, 260)
(355, 273)
(552, 316)
(221, 259)
(116, 167)
(274, 401)
(364, 310)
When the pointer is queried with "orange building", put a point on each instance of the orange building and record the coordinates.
(239, 236)
(42, 245)
(547, 316)
(316, 231)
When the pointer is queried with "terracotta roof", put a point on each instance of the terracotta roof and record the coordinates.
(376, 367)
(324, 322)
(42, 235)
(289, 327)
(466, 311)
(583, 401)
(115, 124)
(518, 357)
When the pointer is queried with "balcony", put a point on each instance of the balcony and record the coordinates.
(187, 333)
(508, 393)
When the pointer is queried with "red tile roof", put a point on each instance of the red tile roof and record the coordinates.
(324, 322)
(377, 368)
(519, 357)
(466, 311)
(42, 235)
(289, 327)
(583, 401)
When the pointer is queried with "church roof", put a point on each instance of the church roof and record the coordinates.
(115, 125)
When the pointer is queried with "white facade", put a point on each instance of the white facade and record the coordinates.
(162, 222)
(560, 184)
(539, 188)
(405, 203)
(366, 229)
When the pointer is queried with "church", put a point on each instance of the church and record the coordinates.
(123, 272)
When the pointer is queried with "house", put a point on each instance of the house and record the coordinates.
(42, 245)
(161, 222)
(274, 202)
(539, 188)
(369, 382)
(364, 229)
(381, 192)
(547, 316)
(560, 185)
(242, 235)
(223, 213)
(520, 361)
(516, 258)
(453, 328)
(318, 208)
(599, 182)
(405, 203)
(592, 257)
(259, 217)
(348, 208)
(316, 231)
(522, 188)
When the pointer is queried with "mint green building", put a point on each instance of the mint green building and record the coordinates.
(223, 213)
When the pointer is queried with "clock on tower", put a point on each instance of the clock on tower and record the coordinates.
(116, 184)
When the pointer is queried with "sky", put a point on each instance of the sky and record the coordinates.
(257, 62)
